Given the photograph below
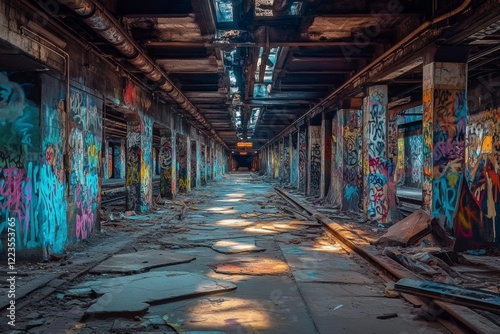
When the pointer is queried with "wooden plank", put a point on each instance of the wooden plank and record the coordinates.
(473, 298)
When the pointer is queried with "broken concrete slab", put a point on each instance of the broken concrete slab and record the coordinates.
(130, 296)
(331, 276)
(256, 266)
(235, 246)
(139, 261)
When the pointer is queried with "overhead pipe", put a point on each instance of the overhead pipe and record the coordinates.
(375, 63)
(98, 18)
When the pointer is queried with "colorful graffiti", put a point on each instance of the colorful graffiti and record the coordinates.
(203, 167)
(194, 159)
(302, 159)
(352, 153)
(146, 161)
(182, 164)
(286, 161)
(276, 161)
(315, 160)
(294, 172)
(165, 163)
(377, 174)
(32, 191)
(85, 140)
(450, 112)
(133, 169)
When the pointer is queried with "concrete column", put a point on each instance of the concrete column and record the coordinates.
(292, 162)
(314, 161)
(337, 180)
(133, 165)
(198, 163)
(352, 157)
(165, 163)
(146, 162)
(326, 153)
(444, 129)
(173, 167)
(205, 165)
(302, 165)
(123, 160)
(375, 153)
(107, 161)
(190, 173)
(182, 164)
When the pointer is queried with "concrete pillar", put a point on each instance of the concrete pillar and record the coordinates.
(123, 160)
(444, 129)
(302, 165)
(314, 161)
(326, 140)
(182, 164)
(337, 180)
(352, 157)
(205, 165)
(375, 153)
(146, 162)
(165, 163)
(133, 165)
(107, 160)
(198, 162)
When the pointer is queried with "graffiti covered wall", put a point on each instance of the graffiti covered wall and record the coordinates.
(85, 142)
(182, 164)
(302, 159)
(165, 164)
(476, 222)
(146, 161)
(286, 161)
(294, 174)
(352, 157)
(375, 125)
(315, 160)
(133, 170)
(444, 124)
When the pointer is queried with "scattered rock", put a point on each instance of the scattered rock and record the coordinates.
(387, 316)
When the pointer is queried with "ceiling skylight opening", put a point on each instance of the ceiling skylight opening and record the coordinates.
(224, 10)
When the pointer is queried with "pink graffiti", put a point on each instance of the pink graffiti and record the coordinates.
(376, 165)
(15, 194)
(84, 215)
(448, 150)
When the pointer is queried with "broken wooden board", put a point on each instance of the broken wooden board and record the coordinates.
(407, 230)
(473, 298)
(140, 261)
(129, 296)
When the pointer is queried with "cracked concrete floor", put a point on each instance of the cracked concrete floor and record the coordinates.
(289, 276)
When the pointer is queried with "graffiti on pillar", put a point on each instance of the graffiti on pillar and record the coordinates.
(315, 160)
(194, 158)
(85, 144)
(294, 174)
(203, 165)
(476, 222)
(302, 159)
(32, 190)
(415, 146)
(377, 209)
(336, 183)
(182, 171)
(286, 161)
(352, 146)
(146, 161)
(133, 169)
(400, 164)
(448, 152)
(165, 165)
(276, 161)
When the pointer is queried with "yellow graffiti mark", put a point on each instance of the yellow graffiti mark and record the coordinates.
(133, 175)
(183, 184)
(166, 173)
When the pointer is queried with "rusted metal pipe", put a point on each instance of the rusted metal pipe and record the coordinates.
(102, 22)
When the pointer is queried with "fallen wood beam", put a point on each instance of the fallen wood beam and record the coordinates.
(473, 298)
